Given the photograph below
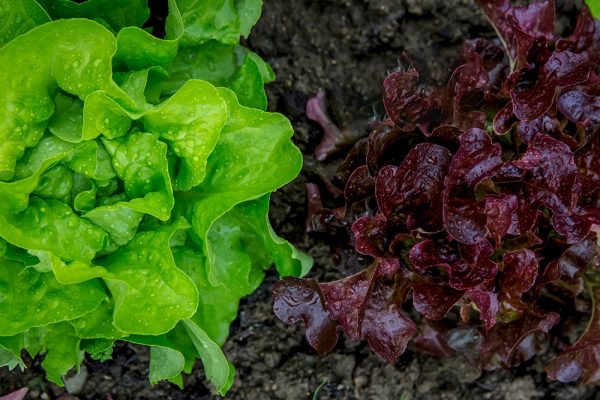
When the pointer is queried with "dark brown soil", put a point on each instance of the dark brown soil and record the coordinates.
(345, 48)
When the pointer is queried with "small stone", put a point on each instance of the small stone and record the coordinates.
(74, 384)
(360, 381)
(522, 388)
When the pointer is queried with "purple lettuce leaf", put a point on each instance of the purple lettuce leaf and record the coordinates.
(369, 233)
(298, 299)
(526, 130)
(410, 105)
(588, 163)
(488, 305)
(411, 191)
(382, 147)
(385, 326)
(16, 395)
(490, 54)
(575, 226)
(562, 69)
(478, 198)
(500, 211)
(467, 266)
(466, 88)
(501, 344)
(476, 159)
(516, 24)
(360, 185)
(581, 360)
(334, 138)
(474, 267)
(578, 257)
(580, 107)
(519, 273)
(504, 119)
(360, 305)
(434, 300)
(432, 338)
(553, 175)
(585, 37)
(346, 300)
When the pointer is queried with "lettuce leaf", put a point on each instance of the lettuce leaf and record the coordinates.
(134, 187)
(475, 203)
(116, 13)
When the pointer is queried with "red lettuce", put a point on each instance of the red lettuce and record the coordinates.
(476, 206)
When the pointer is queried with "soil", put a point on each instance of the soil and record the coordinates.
(345, 48)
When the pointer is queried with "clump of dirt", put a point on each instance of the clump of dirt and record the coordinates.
(345, 48)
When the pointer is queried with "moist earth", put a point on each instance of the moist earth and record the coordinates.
(344, 48)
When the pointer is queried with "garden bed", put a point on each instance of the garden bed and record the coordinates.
(345, 48)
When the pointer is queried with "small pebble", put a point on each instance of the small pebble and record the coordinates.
(74, 384)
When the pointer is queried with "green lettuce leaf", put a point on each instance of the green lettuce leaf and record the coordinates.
(79, 63)
(216, 367)
(151, 294)
(190, 121)
(61, 345)
(242, 167)
(67, 121)
(18, 17)
(166, 361)
(223, 65)
(33, 299)
(52, 225)
(116, 13)
(221, 20)
(10, 351)
(135, 176)
(140, 160)
(594, 6)
(239, 268)
(138, 50)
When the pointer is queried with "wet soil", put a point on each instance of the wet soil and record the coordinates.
(344, 48)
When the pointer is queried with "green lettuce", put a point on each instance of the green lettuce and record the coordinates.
(594, 6)
(135, 176)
